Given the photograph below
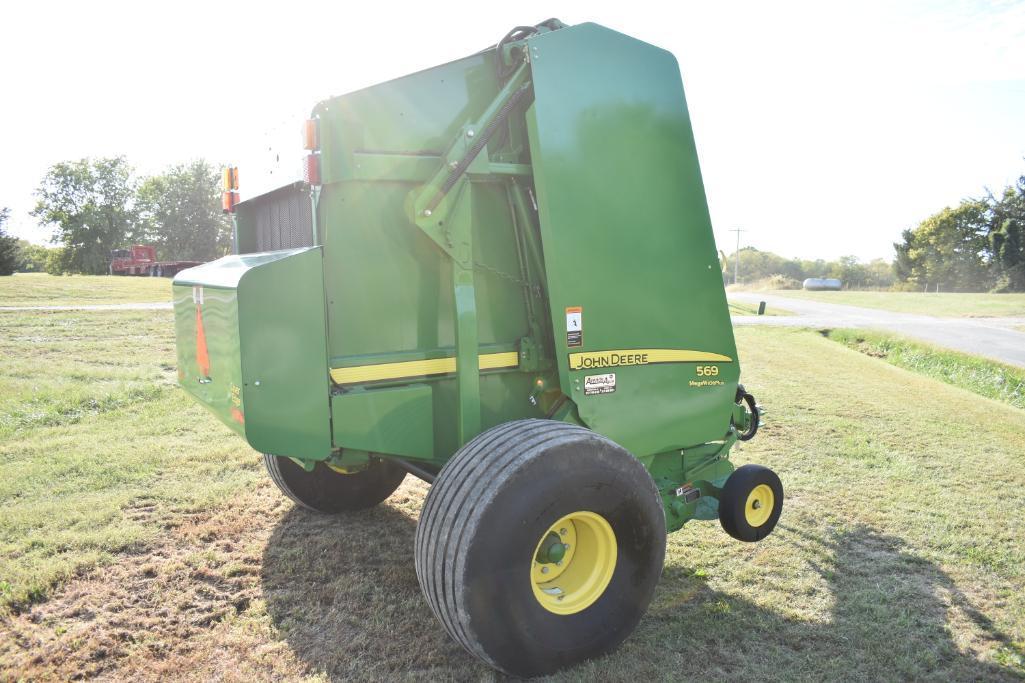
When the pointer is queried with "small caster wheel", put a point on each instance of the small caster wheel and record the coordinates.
(750, 503)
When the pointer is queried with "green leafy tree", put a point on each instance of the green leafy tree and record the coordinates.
(950, 249)
(879, 273)
(181, 213)
(90, 205)
(10, 251)
(33, 257)
(903, 265)
(1007, 237)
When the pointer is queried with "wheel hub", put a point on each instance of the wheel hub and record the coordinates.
(573, 562)
(759, 505)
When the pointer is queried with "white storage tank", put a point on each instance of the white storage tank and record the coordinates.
(823, 283)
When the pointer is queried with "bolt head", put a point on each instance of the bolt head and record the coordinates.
(470, 133)
(427, 212)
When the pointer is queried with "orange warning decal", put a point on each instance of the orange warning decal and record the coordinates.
(202, 355)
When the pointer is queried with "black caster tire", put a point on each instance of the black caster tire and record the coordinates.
(750, 503)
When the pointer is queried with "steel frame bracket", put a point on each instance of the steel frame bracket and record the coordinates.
(442, 210)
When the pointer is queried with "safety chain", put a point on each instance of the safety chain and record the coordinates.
(532, 288)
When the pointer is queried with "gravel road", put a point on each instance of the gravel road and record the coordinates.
(991, 337)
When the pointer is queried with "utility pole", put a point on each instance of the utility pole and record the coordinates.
(736, 255)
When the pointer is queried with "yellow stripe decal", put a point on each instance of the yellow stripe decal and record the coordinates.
(419, 368)
(612, 359)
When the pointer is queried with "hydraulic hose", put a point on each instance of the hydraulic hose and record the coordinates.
(752, 427)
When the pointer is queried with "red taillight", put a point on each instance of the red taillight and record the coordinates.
(229, 182)
(311, 169)
(229, 200)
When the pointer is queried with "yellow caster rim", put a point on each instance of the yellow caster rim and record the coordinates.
(573, 562)
(759, 505)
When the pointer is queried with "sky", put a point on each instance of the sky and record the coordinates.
(823, 128)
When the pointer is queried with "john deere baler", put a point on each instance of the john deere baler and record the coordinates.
(499, 275)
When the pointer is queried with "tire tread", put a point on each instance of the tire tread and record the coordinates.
(456, 502)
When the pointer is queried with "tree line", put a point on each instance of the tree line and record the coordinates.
(778, 272)
(978, 245)
(96, 205)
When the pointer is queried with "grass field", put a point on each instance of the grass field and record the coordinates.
(40, 289)
(980, 375)
(140, 539)
(945, 305)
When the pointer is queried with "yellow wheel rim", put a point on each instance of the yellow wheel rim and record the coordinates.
(583, 573)
(759, 505)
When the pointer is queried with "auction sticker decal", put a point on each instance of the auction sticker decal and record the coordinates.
(599, 384)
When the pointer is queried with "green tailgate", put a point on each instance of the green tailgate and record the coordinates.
(265, 370)
(628, 241)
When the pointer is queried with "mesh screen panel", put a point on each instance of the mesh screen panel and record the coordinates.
(282, 219)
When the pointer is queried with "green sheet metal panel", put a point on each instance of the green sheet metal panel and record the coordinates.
(264, 323)
(212, 306)
(627, 237)
(389, 287)
(393, 421)
(418, 114)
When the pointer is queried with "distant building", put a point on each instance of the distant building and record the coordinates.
(823, 283)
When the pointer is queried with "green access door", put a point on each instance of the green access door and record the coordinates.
(252, 348)
(642, 332)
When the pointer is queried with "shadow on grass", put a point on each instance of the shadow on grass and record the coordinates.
(343, 592)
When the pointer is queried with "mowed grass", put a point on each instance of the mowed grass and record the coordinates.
(40, 289)
(949, 305)
(93, 433)
(980, 375)
(139, 539)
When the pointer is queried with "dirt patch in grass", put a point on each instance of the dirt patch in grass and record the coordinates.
(262, 590)
(174, 607)
(255, 590)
